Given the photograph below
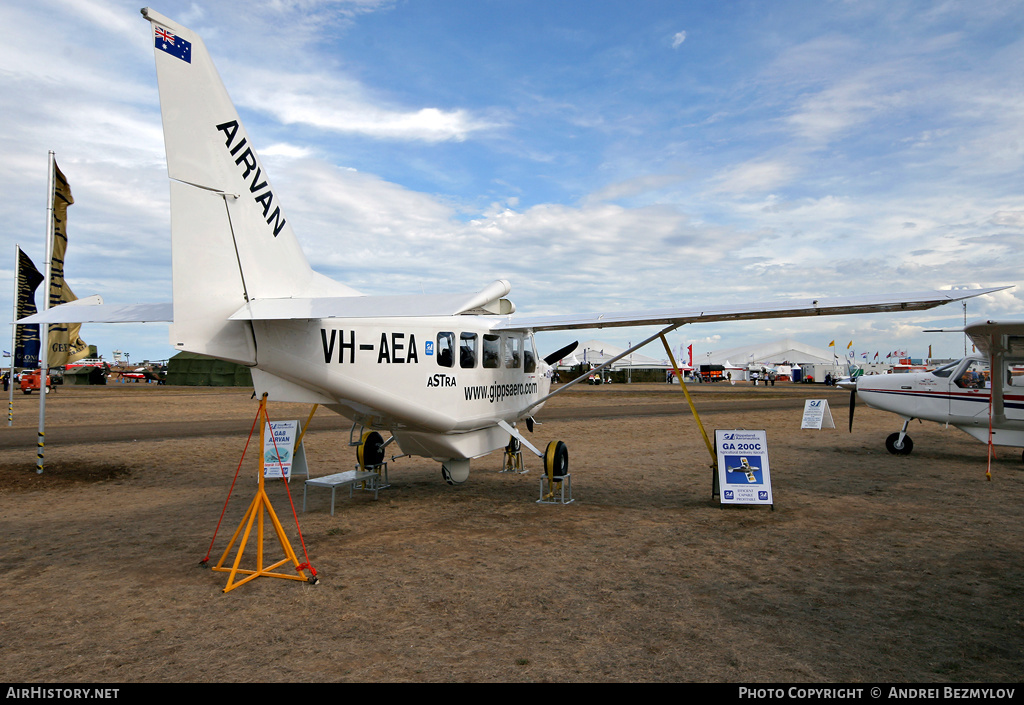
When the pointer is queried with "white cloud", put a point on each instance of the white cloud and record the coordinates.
(286, 151)
(1013, 219)
(846, 104)
(343, 105)
(677, 39)
(638, 187)
(755, 176)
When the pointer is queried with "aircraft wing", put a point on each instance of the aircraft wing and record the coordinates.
(988, 334)
(914, 301)
(92, 310)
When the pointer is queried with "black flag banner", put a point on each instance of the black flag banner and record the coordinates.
(26, 339)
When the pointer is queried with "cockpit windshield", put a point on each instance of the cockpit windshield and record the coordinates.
(946, 370)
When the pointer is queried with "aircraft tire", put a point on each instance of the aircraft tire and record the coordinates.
(514, 445)
(556, 459)
(905, 449)
(370, 450)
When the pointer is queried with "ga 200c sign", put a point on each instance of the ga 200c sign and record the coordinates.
(743, 473)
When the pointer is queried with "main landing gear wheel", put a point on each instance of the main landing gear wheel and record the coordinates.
(370, 450)
(556, 460)
(904, 449)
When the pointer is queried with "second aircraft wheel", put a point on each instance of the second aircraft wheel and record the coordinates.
(890, 444)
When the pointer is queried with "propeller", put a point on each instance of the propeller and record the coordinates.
(853, 404)
(559, 354)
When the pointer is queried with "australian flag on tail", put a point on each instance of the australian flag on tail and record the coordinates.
(26, 341)
(173, 45)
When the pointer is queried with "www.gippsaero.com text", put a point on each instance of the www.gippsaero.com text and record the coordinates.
(944, 692)
(497, 392)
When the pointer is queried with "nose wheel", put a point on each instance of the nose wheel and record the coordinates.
(897, 447)
(900, 443)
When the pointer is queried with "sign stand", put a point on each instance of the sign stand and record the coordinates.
(817, 415)
(743, 475)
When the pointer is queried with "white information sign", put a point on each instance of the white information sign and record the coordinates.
(743, 473)
(817, 414)
(279, 452)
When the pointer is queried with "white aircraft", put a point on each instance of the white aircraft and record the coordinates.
(450, 377)
(979, 392)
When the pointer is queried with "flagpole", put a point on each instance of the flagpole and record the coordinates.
(14, 336)
(44, 329)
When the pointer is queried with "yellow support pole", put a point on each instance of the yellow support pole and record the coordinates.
(689, 400)
(258, 508)
(305, 428)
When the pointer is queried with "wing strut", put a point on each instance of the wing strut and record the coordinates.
(587, 373)
(675, 368)
(512, 431)
(693, 409)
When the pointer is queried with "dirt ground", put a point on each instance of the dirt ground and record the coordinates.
(871, 568)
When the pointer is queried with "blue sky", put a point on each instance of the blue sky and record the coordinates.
(599, 155)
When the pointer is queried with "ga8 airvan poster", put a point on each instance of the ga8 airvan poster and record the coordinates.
(743, 473)
(280, 456)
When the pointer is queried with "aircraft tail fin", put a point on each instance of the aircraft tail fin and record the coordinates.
(230, 237)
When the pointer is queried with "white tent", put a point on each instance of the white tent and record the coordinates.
(774, 354)
(596, 353)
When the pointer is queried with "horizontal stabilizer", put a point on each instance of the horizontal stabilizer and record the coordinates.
(771, 309)
(486, 301)
(82, 311)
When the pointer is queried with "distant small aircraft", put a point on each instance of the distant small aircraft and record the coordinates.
(450, 377)
(978, 393)
(140, 374)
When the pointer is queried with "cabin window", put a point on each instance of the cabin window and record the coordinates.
(529, 356)
(467, 350)
(513, 357)
(976, 376)
(946, 370)
(446, 349)
(492, 351)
